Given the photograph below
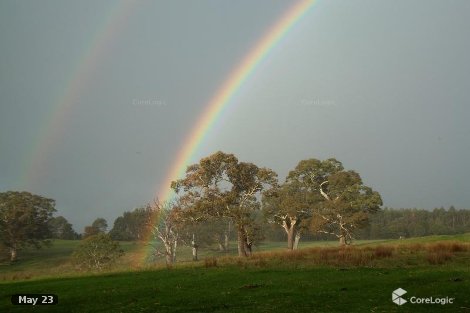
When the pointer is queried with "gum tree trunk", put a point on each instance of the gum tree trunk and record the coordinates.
(290, 238)
(289, 225)
(248, 245)
(194, 248)
(296, 241)
(13, 254)
(226, 242)
(226, 235)
(174, 250)
(169, 258)
(241, 242)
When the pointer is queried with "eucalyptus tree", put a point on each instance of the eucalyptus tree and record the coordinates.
(24, 220)
(101, 224)
(293, 204)
(61, 229)
(339, 200)
(164, 223)
(288, 207)
(97, 252)
(221, 186)
(132, 225)
(348, 203)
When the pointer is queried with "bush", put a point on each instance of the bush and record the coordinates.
(451, 246)
(97, 252)
(210, 262)
(383, 251)
(439, 257)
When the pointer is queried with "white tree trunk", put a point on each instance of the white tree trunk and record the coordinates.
(13, 254)
(225, 247)
(290, 231)
(168, 253)
(175, 242)
(226, 235)
(241, 243)
(194, 248)
(297, 239)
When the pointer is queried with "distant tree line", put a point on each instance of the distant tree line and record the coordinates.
(60, 228)
(395, 223)
(132, 225)
(390, 223)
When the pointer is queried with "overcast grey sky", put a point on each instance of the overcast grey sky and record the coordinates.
(383, 86)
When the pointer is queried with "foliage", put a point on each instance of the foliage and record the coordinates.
(213, 230)
(166, 229)
(405, 223)
(97, 252)
(287, 206)
(339, 201)
(346, 206)
(24, 220)
(221, 186)
(100, 224)
(62, 229)
(132, 225)
(323, 196)
(90, 231)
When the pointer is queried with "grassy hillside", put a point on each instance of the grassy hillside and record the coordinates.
(51, 261)
(55, 260)
(235, 289)
(316, 278)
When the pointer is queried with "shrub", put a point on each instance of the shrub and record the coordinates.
(451, 246)
(414, 247)
(458, 247)
(97, 252)
(383, 251)
(439, 257)
(210, 262)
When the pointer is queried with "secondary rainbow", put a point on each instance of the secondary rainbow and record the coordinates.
(222, 97)
(36, 162)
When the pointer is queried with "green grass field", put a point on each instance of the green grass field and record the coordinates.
(320, 277)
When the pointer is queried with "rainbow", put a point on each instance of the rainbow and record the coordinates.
(225, 93)
(223, 96)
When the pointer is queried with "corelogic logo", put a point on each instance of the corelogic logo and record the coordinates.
(396, 296)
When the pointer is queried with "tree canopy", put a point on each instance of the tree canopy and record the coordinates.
(221, 186)
(61, 229)
(322, 196)
(97, 252)
(132, 225)
(100, 224)
(340, 202)
(24, 220)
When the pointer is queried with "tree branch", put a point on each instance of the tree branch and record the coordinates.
(323, 193)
